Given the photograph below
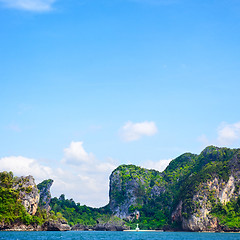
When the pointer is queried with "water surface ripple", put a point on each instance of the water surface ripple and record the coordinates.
(117, 236)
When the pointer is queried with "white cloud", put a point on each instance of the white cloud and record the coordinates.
(86, 178)
(29, 5)
(89, 177)
(134, 131)
(91, 189)
(22, 166)
(159, 165)
(87, 183)
(228, 134)
(106, 166)
(75, 154)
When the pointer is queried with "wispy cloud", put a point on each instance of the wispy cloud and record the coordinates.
(86, 176)
(228, 135)
(75, 154)
(80, 176)
(134, 131)
(22, 166)
(85, 179)
(29, 5)
(157, 165)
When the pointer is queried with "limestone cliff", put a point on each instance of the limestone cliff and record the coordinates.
(19, 200)
(132, 186)
(209, 194)
(28, 193)
(217, 182)
(45, 194)
(189, 195)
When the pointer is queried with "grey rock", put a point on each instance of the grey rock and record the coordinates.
(56, 225)
(28, 193)
(220, 190)
(129, 188)
(110, 227)
(157, 191)
(80, 227)
(45, 194)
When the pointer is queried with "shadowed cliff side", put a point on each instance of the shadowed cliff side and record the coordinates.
(192, 194)
(45, 194)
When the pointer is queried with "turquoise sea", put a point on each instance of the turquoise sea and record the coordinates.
(117, 236)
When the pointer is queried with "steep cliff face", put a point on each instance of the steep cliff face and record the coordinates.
(28, 193)
(132, 186)
(19, 199)
(216, 183)
(200, 219)
(192, 194)
(213, 191)
(45, 194)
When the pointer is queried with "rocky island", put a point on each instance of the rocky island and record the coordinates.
(194, 193)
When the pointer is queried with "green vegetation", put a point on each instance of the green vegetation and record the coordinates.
(11, 208)
(151, 217)
(183, 178)
(44, 184)
(229, 214)
(156, 194)
(45, 195)
(144, 178)
(189, 176)
(76, 214)
(212, 162)
(155, 211)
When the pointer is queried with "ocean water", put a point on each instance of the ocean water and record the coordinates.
(117, 235)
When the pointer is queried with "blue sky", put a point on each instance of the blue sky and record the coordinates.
(89, 85)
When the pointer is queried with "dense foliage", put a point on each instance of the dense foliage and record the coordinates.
(151, 216)
(229, 214)
(181, 180)
(45, 195)
(210, 163)
(44, 184)
(157, 194)
(144, 178)
(76, 214)
(155, 211)
(11, 208)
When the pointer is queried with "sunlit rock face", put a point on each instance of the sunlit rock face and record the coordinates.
(28, 193)
(190, 191)
(221, 186)
(132, 186)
